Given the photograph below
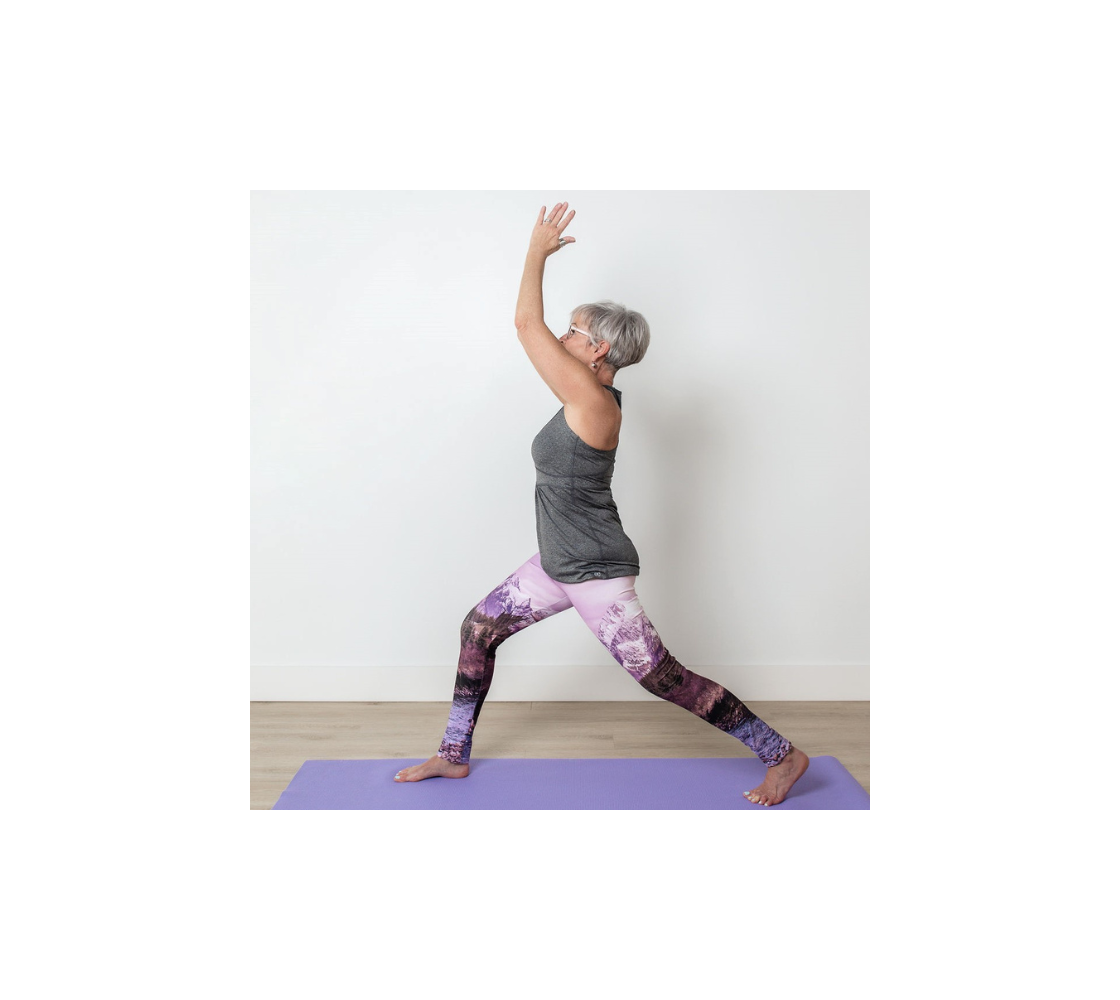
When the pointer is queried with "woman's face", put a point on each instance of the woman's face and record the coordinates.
(577, 344)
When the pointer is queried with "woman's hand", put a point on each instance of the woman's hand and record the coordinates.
(546, 238)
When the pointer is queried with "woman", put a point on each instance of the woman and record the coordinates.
(585, 559)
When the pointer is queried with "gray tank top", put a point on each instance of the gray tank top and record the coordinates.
(578, 528)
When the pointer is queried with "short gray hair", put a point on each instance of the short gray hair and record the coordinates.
(625, 330)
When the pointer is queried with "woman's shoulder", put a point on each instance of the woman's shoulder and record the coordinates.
(596, 423)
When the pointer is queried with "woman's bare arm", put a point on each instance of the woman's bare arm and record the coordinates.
(573, 383)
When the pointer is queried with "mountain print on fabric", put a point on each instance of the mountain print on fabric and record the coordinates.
(631, 638)
(503, 612)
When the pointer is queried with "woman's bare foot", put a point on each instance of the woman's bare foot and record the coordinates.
(779, 779)
(435, 767)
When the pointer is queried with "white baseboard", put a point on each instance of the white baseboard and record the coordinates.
(521, 683)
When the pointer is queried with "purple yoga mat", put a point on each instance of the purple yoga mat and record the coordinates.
(579, 783)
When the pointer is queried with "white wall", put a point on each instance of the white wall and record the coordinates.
(393, 409)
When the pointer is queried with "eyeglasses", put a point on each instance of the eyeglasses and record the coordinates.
(574, 329)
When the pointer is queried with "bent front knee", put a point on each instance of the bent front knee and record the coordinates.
(483, 630)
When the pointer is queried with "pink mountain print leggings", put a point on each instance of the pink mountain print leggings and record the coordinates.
(612, 611)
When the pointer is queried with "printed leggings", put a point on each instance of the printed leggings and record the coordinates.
(611, 609)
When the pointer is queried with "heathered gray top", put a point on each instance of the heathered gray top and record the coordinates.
(578, 528)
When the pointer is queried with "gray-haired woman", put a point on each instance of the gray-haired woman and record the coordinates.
(585, 559)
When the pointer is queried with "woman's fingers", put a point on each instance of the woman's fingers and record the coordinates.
(544, 235)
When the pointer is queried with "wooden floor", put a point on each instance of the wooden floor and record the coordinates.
(283, 734)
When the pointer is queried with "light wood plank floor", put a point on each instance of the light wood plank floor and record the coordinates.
(283, 734)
